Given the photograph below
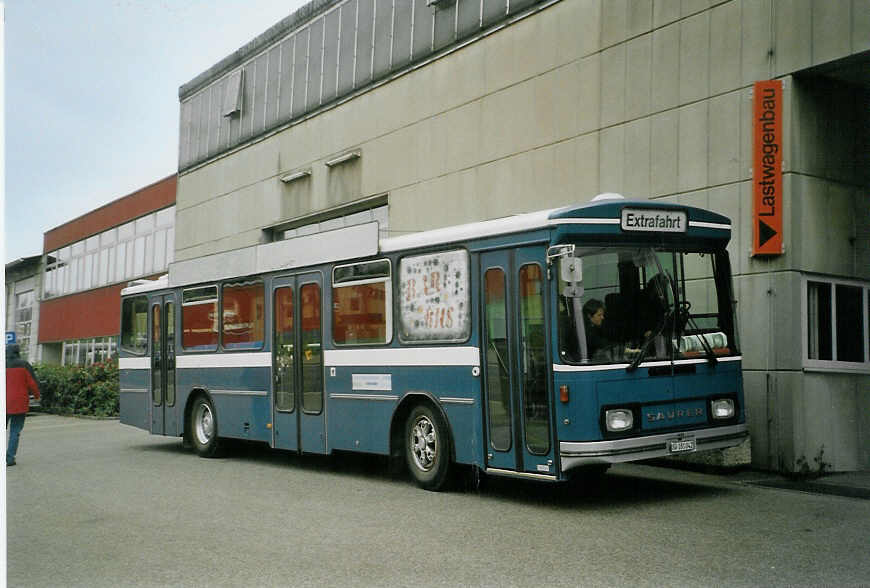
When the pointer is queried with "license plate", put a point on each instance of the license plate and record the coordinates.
(681, 445)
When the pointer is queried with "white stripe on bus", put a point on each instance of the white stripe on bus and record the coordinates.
(621, 366)
(224, 360)
(403, 356)
(584, 221)
(704, 225)
(134, 363)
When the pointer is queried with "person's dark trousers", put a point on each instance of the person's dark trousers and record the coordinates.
(17, 423)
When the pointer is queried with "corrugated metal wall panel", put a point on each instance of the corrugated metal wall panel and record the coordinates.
(331, 39)
(493, 11)
(258, 124)
(300, 71)
(215, 118)
(402, 33)
(273, 86)
(286, 79)
(445, 26)
(223, 121)
(383, 37)
(468, 19)
(184, 130)
(519, 5)
(421, 43)
(346, 46)
(247, 116)
(315, 64)
(365, 26)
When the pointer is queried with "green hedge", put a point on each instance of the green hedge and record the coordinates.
(91, 390)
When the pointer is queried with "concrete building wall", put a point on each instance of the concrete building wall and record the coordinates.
(651, 99)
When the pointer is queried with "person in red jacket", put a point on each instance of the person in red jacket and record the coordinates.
(20, 383)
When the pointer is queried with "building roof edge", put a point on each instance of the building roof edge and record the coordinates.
(295, 20)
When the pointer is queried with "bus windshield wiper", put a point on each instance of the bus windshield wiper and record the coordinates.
(649, 340)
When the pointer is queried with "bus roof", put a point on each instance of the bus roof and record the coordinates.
(606, 215)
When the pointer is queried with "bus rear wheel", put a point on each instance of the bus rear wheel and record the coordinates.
(203, 428)
(427, 447)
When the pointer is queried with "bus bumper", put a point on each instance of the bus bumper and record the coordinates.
(576, 454)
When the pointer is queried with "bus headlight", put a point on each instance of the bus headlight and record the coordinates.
(619, 419)
(723, 408)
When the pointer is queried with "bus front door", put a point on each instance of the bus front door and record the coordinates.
(164, 420)
(298, 418)
(516, 381)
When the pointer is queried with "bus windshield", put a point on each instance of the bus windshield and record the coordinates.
(646, 303)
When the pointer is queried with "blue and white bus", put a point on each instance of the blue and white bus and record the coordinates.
(537, 346)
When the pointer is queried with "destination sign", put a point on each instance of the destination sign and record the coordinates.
(660, 221)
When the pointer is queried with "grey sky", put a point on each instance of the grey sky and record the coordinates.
(92, 97)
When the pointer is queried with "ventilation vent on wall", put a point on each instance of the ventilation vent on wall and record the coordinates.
(233, 95)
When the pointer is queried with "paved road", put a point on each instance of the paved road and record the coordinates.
(95, 503)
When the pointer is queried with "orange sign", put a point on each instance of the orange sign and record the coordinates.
(767, 190)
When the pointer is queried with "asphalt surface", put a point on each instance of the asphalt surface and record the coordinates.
(96, 503)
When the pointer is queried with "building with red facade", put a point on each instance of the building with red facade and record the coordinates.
(88, 260)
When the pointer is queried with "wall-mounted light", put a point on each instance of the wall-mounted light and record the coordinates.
(350, 156)
(296, 176)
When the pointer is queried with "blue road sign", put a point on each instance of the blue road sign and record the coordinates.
(10, 337)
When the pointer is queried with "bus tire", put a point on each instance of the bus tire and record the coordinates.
(203, 428)
(427, 447)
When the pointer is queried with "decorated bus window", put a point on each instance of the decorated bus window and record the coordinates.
(199, 318)
(434, 297)
(362, 303)
(243, 315)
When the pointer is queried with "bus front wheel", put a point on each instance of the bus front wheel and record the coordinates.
(203, 428)
(427, 447)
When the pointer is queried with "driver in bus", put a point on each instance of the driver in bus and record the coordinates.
(593, 315)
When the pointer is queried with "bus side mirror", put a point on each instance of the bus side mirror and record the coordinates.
(571, 269)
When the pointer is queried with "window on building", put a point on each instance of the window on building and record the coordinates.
(136, 249)
(837, 324)
(243, 314)
(199, 318)
(362, 303)
(85, 352)
(23, 318)
(379, 214)
(434, 297)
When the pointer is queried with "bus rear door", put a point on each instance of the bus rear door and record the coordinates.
(164, 420)
(297, 364)
(516, 381)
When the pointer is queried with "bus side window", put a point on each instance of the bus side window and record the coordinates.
(199, 318)
(134, 325)
(362, 303)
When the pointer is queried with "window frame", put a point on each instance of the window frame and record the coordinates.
(833, 365)
(468, 301)
(388, 300)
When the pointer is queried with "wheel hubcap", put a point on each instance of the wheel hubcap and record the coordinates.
(204, 424)
(424, 443)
